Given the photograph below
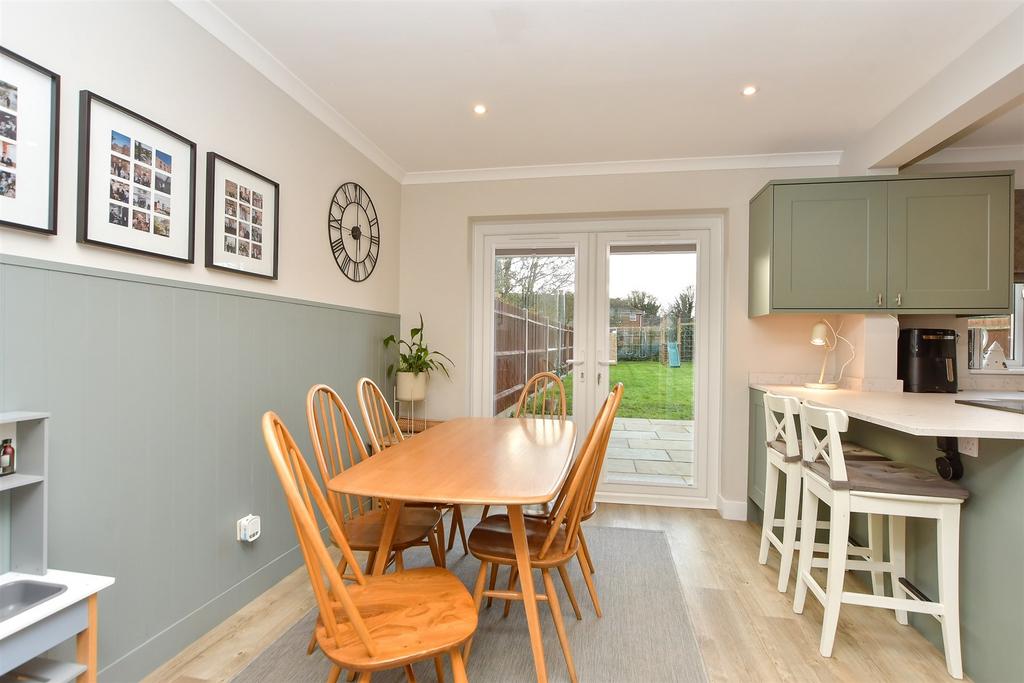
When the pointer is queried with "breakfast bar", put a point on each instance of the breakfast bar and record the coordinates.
(906, 427)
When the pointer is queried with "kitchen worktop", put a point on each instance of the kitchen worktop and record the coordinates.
(80, 586)
(917, 414)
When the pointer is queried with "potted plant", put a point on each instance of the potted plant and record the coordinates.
(415, 363)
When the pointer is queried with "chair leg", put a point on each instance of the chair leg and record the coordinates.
(789, 525)
(335, 672)
(351, 676)
(399, 561)
(478, 595)
(312, 643)
(483, 515)
(590, 584)
(586, 552)
(898, 560)
(458, 667)
(431, 544)
(808, 530)
(365, 677)
(556, 615)
(564, 573)
(370, 558)
(410, 675)
(875, 539)
(462, 529)
(439, 669)
(513, 581)
(949, 587)
(439, 535)
(494, 582)
(838, 542)
(771, 490)
(451, 533)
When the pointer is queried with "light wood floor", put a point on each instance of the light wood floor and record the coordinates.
(746, 629)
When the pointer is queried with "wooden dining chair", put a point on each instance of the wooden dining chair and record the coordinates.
(553, 541)
(379, 622)
(590, 503)
(542, 397)
(589, 507)
(383, 429)
(337, 445)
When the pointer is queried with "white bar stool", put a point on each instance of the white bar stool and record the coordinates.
(878, 488)
(784, 458)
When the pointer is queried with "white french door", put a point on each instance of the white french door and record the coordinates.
(560, 297)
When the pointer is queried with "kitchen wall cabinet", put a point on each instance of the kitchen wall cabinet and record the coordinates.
(950, 243)
(902, 245)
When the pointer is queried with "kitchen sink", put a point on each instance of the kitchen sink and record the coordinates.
(18, 596)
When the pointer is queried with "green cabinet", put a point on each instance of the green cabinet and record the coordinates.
(949, 243)
(828, 249)
(936, 244)
(757, 456)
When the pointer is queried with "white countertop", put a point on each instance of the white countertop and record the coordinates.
(80, 587)
(918, 414)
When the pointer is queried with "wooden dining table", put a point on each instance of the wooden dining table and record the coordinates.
(472, 461)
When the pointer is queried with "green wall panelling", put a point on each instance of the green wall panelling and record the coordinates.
(156, 389)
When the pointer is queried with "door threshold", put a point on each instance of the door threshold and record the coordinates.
(656, 499)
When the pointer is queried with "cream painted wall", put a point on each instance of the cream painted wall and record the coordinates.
(151, 58)
(435, 278)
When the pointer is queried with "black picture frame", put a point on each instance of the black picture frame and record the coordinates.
(86, 100)
(51, 221)
(213, 198)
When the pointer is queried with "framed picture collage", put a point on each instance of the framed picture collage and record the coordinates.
(136, 179)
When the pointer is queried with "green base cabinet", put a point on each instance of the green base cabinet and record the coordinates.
(758, 456)
(906, 245)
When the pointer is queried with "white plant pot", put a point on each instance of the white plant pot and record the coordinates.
(412, 386)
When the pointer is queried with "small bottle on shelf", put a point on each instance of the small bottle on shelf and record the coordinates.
(7, 462)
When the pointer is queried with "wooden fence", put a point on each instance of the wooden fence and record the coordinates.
(525, 344)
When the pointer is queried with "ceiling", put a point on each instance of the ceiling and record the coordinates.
(576, 82)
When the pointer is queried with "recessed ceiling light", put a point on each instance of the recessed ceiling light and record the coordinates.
(479, 109)
(750, 90)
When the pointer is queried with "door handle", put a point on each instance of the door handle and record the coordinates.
(606, 363)
(899, 299)
(879, 302)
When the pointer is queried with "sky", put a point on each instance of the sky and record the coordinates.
(663, 275)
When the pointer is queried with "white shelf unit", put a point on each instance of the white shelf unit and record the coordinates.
(23, 494)
(42, 670)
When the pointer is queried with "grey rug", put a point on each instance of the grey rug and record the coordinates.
(645, 634)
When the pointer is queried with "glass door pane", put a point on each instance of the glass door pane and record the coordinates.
(651, 327)
(534, 321)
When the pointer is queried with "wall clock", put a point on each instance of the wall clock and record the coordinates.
(354, 232)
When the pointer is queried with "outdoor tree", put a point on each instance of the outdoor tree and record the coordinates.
(542, 284)
(645, 302)
(682, 307)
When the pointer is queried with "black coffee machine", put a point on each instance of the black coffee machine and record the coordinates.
(926, 360)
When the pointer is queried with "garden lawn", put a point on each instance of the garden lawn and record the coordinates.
(652, 390)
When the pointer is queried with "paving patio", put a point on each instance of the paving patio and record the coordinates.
(650, 451)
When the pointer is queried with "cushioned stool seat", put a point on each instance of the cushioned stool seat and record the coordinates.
(852, 451)
(895, 478)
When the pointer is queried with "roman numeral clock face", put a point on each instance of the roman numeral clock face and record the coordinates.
(354, 232)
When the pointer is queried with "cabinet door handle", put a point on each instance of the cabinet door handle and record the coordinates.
(879, 299)
(899, 299)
